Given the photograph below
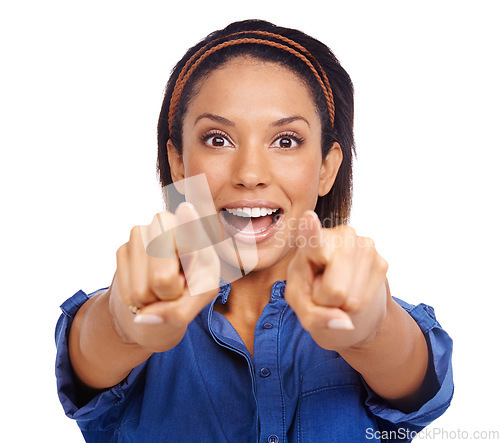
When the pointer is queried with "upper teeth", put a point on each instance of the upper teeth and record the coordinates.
(251, 212)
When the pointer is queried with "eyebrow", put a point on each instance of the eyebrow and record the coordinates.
(287, 120)
(225, 121)
(215, 118)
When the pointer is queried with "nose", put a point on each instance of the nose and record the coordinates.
(251, 167)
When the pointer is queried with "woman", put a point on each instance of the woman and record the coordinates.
(265, 115)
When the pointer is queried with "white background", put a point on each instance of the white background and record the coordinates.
(80, 91)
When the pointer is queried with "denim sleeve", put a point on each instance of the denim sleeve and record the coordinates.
(66, 386)
(404, 425)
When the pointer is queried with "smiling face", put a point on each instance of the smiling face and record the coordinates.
(254, 130)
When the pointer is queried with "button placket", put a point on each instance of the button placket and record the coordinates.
(268, 384)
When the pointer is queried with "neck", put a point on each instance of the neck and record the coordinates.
(248, 298)
(251, 293)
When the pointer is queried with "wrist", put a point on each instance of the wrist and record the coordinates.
(121, 319)
(378, 333)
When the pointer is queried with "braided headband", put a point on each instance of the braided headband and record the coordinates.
(189, 68)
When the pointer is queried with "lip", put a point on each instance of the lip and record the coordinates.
(246, 237)
(251, 204)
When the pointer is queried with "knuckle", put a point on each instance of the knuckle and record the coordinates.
(352, 304)
(383, 265)
(138, 294)
(331, 296)
(135, 234)
(336, 294)
(139, 239)
(135, 231)
(162, 278)
(156, 217)
(347, 231)
(159, 279)
(166, 219)
(367, 243)
(350, 230)
(345, 238)
(122, 252)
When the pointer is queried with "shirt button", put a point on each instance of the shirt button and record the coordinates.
(267, 326)
(265, 372)
(273, 438)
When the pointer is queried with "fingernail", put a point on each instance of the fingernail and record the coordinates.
(309, 211)
(185, 205)
(148, 319)
(340, 323)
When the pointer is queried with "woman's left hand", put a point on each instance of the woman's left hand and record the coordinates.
(336, 284)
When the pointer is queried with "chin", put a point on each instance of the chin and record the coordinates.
(262, 258)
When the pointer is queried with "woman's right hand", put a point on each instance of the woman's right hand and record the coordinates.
(169, 295)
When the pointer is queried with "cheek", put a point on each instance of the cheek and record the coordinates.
(197, 162)
(301, 177)
(214, 169)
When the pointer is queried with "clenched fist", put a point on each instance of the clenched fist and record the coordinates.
(168, 283)
(336, 284)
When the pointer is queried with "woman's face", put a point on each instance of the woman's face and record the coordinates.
(254, 130)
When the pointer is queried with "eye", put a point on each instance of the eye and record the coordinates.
(287, 141)
(216, 140)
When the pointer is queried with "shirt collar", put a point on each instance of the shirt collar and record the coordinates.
(277, 291)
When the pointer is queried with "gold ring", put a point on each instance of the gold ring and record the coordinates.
(134, 309)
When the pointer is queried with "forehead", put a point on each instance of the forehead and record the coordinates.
(246, 83)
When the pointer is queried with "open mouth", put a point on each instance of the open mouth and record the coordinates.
(253, 222)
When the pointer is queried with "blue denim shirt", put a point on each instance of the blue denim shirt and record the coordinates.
(209, 388)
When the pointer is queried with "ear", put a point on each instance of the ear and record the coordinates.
(329, 169)
(175, 162)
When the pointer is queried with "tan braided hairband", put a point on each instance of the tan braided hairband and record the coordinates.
(189, 68)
